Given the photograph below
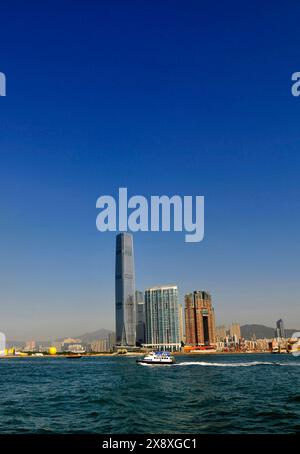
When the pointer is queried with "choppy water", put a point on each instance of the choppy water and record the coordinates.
(207, 394)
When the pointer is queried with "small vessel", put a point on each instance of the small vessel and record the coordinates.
(73, 356)
(157, 358)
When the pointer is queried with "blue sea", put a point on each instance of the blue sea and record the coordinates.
(211, 394)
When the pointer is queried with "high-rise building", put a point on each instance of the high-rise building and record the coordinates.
(180, 322)
(162, 328)
(235, 331)
(30, 346)
(199, 319)
(111, 340)
(140, 318)
(125, 291)
(221, 332)
(279, 332)
(99, 346)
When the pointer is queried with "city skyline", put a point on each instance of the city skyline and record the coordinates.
(131, 306)
(126, 319)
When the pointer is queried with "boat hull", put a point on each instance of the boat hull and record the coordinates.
(141, 361)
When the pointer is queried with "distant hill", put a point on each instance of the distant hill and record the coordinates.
(90, 337)
(261, 331)
(95, 335)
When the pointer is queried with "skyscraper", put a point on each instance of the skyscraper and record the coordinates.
(280, 329)
(199, 319)
(140, 318)
(180, 323)
(162, 328)
(235, 330)
(125, 291)
(111, 340)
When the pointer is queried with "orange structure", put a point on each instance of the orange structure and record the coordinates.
(199, 319)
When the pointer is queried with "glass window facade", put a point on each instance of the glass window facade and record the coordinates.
(162, 327)
(125, 291)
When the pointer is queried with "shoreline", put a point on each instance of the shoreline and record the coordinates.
(135, 354)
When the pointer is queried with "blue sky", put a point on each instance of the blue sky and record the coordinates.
(173, 97)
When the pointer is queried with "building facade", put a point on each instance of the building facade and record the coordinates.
(125, 291)
(199, 319)
(221, 332)
(279, 332)
(162, 327)
(111, 341)
(30, 346)
(140, 318)
(99, 346)
(180, 323)
(235, 331)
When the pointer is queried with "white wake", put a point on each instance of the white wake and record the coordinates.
(241, 364)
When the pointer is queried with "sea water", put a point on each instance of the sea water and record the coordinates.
(199, 394)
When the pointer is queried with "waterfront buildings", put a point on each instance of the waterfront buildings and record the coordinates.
(199, 319)
(57, 345)
(140, 318)
(30, 346)
(221, 332)
(99, 346)
(162, 327)
(73, 348)
(125, 291)
(180, 323)
(72, 345)
(279, 331)
(235, 331)
(111, 341)
(69, 341)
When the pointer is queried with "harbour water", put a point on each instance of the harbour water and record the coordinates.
(200, 394)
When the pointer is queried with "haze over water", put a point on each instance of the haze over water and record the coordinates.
(200, 394)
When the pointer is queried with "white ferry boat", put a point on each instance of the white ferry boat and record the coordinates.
(157, 358)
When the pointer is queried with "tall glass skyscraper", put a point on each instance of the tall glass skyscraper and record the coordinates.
(279, 332)
(125, 291)
(162, 327)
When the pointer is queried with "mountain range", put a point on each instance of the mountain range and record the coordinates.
(262, 331)
(247, 332)
(86, 338)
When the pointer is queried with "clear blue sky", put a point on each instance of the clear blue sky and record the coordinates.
(171, 97)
